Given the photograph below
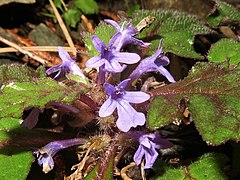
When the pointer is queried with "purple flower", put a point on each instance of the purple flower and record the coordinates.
(46, 153)
(153, 63)
(67, 65)
(147, 147)
(109, 59)
(119, 98)
(126, 36)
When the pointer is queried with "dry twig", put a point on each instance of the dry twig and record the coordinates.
(124, 171)
(36, 48)
(143, 171)
(110, 14)
(88, 24)
(53, 60)
(18, 48)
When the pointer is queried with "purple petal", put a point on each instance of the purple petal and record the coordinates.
(138, 42)
(95, 61)
(162, 61)
(145, 142)
(136, 97)
(113, 23)
(98, 43)
(130, 30)
(150, 157)
(123, 84)
(151, 59)
(74, 68)
(108, 107)
(45, 161)
(160, 142)
(128, 58)
(128, 117)
(115, 40)
(63, 54)
(138, 155)
(165, 73)
(113, 66)
(53, 69)
(101, 76)
(109, 89)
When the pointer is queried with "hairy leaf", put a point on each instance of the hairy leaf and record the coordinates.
(176, 28)
(225, 49)
(6, 125)
(87, 6)
(17, 72)
(223, 11)
(10, 163)
(209, 166)
(10, 157)
(16, 96)
(213, 93)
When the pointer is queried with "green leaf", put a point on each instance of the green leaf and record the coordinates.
(77, 78)
(224, 11)
(104, 32)
(87, 6)
(209, 166)
(72, 17)
(15, 163)
(213, 92)
(132, 9)
(58, 4)
(17, 72)
(225, 49)
(7, 124)
(92, 174)
(17, 96)
(177, 30)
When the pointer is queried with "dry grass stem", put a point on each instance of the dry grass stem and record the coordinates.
(20, 49)
(63, 27)
(36, 48)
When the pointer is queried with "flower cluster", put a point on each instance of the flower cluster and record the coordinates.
(148, 143)
(111, 59)
(67, 65)
(119, 98)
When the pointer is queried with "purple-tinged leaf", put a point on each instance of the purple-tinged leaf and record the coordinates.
(213, 92)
